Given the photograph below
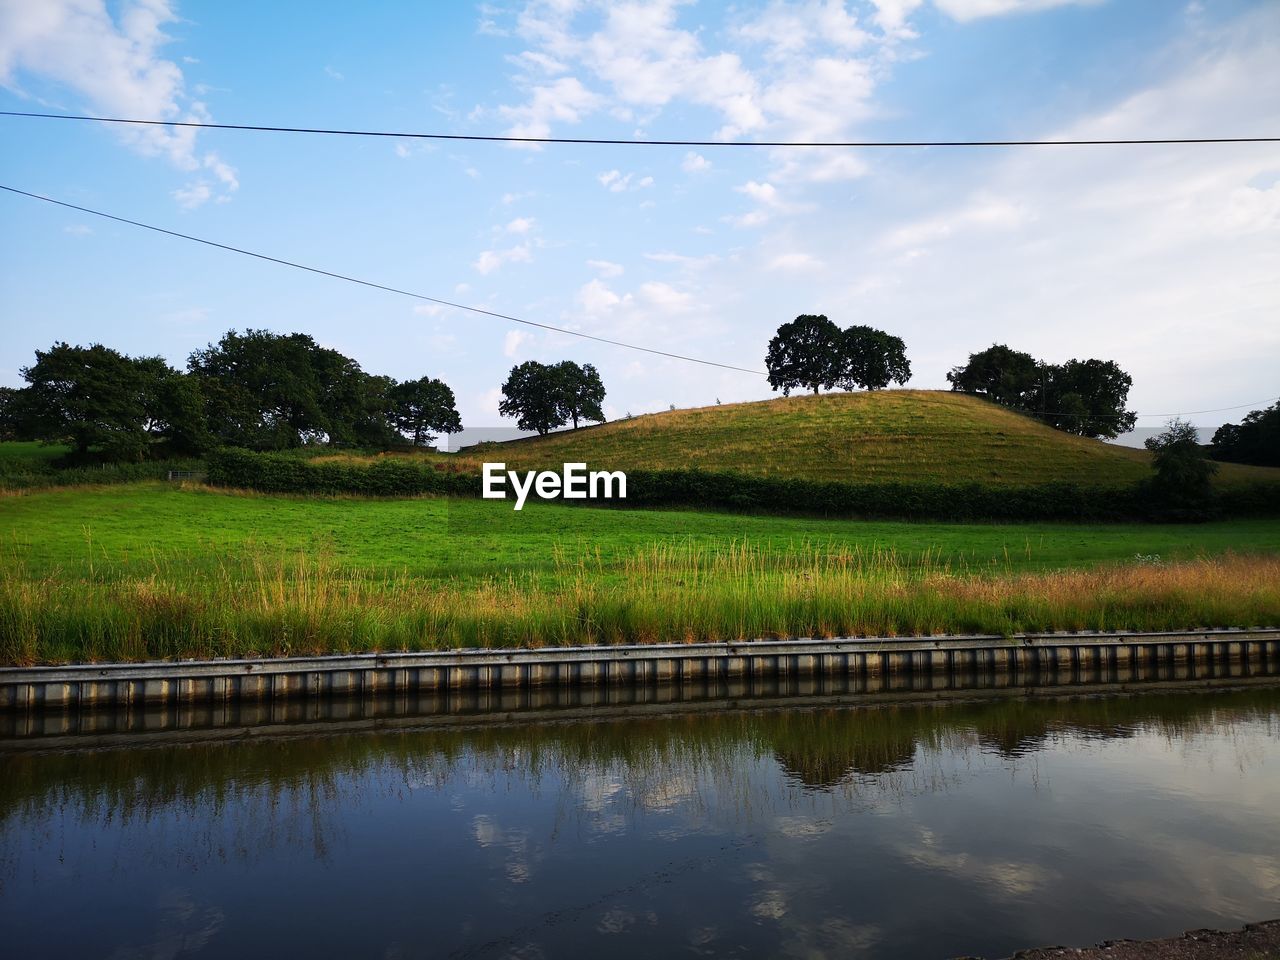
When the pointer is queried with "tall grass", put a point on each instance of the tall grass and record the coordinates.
(282, 604)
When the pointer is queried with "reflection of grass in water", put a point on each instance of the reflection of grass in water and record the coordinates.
(257, 603)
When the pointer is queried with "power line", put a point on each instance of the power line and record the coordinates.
(503, 316)
(379, 286)
(607, 141)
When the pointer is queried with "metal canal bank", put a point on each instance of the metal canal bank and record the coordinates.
(137, 697)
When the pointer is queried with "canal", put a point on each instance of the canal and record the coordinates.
(894, 829)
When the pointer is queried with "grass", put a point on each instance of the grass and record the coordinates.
(154, 570)
(892, 435)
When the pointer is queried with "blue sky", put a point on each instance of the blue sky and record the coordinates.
(1166, 259)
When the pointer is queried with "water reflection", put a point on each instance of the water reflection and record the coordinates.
(894, 830)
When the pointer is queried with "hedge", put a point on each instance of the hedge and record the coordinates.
(281, 473)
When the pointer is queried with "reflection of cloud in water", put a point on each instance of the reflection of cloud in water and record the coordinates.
(1011, 878)
(616, 920)
(801, 828)
(769, 905)
(183, 928)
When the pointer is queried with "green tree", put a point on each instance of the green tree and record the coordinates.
(805, 353)
(104, 403)
(1087, 398)
(270, 391)
(871, 359)
(1256, 439)
(581, 391)
(1183, 481)
(1000, 374)
(533, 394)
(424, 407)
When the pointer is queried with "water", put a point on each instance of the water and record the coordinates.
(894, 830)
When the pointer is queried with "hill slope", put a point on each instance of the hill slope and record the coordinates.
(886, 435)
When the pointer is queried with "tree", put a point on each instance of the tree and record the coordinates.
(533, 395)
(581, 391)
(871, 359)
(1183, 481)
(805, 353)
(1000, 374)
(106, 404)
(1256, 439)
(269, 391)
(1087, 398)
(423, 407)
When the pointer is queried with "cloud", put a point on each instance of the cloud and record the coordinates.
(78, 230)
(666, 297)
(520, 225)
(330, 72)
(963, 10)
(796, 263)
(512, 342)
(428, 309)
(695, 163)
(617, 182)
(596, 298)
(193, 195)
(892, 16)
(606, 268)
(683, 260)
(564, 101)
(491, 260)
(115, 66)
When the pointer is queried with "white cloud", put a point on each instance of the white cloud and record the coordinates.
(428, 309)
(563, 101)
(491, 260)
(115, 66)
(683, 260)
(596, 298)
(695, 163)
(520, 225)
(193, 195)
(78, 230)
(606, 268)
(764, 193)
(983, 213)
(334, 74)
(796, 263)
(666, 297)
(892, 16)
(973, 9)
(617, 182)
(512, 342)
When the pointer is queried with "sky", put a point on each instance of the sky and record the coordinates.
(1165, 259)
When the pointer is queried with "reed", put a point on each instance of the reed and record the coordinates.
(277, 604)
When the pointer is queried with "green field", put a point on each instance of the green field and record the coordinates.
(130, 525)
(134, 571)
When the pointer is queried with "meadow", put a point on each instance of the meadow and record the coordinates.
(888, 435)
(144, 570)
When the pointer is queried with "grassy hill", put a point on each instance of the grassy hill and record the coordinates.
(887, 435)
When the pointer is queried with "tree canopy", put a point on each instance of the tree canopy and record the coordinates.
(97, 399)
(1084, 397)
(999, 373)
(543, 397)
(812, 353)
(256, 389)
(424, 407)
(1256, 439)
(581, 391)
(1183, 480)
